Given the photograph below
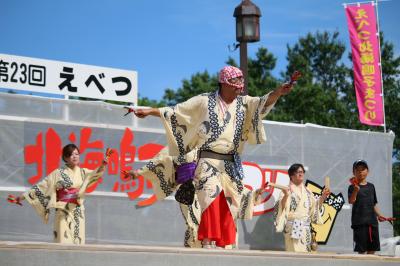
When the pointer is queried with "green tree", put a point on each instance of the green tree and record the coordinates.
(391, 86)
(198, 83)
(318, 96)
(144, 101)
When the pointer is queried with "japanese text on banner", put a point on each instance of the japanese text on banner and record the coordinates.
(361, 22)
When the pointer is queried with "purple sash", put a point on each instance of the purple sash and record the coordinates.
(185, 172)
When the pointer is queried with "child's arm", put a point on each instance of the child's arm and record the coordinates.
(353, 195)
(377, 211)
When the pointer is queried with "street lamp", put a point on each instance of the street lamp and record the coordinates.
(247, 17)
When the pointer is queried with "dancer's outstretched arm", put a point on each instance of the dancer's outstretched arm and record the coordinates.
(143, 112)
(277, 93)
(283, 89)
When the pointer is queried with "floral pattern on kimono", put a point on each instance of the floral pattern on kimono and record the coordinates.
(295, 219)
(69, 222)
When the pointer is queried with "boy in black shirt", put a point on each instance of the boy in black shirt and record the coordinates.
(365, 211)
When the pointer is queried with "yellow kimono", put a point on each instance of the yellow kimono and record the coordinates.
(69, 222)
(295, 218)
(205, 122)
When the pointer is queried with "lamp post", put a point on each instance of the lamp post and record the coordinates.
(247, 17)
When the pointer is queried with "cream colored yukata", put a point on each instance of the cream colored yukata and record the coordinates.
(294, 219)
(204, 122)
(69, 222)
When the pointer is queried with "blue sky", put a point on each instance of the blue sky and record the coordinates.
(165, 41)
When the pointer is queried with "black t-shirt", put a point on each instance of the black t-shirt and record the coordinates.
(363, 208)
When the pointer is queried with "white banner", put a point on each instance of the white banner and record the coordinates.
(56, 77)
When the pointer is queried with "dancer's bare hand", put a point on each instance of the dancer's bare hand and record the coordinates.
(295, 77)
(325, 193)
(262, 189)
(354, 181)
(286, 191)
(259, 191)
(132, 174)
(107, 156)
(287, 87)
(382, 218)
(142, 113)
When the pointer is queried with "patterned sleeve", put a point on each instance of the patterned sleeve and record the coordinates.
(256, 111)
(281, 214)
(181, 122)
(89, 178)
(249, 199)
(42, 196)
(160, 171)
(247, 202)
(316, 212)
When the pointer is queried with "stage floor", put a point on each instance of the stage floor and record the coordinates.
(43, 254)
